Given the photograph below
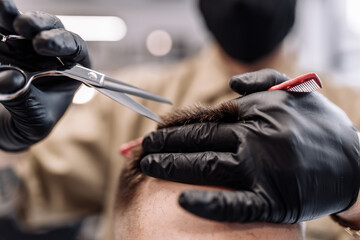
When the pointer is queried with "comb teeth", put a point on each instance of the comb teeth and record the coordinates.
(307, 86)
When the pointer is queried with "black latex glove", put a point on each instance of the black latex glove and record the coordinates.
(291, 157)
(30, 117)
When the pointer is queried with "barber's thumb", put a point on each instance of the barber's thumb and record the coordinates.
(258, 81)
(225, 205)
(11, 81)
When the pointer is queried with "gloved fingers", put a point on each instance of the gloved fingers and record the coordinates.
(210, 168)
(62, 43)
(31, 107)
(11, 81)
(240, 206)
(8, 12)
(31, 23)
(33, 114)
(29, 122)
(257, 81)
(193, 138)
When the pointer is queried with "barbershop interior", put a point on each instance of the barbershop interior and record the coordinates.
(155, 119)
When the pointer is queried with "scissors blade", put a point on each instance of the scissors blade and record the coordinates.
(98, 79)
(117, 85)
(125, 100)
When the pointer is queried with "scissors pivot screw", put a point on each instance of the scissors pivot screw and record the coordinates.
(92, 75)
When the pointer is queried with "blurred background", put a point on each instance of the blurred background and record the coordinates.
(326, 35)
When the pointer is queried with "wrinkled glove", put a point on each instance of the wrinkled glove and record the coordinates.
(291, 157)
(30, 118)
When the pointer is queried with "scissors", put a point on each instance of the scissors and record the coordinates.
(111, 87)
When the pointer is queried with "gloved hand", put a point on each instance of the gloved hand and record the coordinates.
(291, 157)
(30, 117)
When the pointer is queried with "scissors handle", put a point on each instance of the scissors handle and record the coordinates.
(18, 92)
(77, 72)
(29, 78)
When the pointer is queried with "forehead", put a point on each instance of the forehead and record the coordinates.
(155, 214)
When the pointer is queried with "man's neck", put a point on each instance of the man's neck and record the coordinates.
(273, 60)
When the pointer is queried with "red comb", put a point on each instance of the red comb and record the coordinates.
(126, 148)
(305, 83)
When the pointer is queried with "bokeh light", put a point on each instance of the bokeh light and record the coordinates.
(159, 43)
(96, 28)
(84, 95)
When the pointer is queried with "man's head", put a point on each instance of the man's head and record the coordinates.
(147, 208)
(248, 30)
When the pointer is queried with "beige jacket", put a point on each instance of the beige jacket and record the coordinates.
(73, 173)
